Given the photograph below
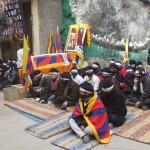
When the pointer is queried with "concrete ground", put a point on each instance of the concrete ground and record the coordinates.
(13, 136)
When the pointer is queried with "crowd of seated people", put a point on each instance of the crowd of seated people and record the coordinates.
(102, 91)
(8, 73)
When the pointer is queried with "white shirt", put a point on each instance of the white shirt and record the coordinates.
(78, 79)
(94, 80)
(19, 56)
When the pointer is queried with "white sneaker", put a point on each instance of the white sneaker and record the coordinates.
(42, 101)
(64, 105)
(50, 103)
(37, 99)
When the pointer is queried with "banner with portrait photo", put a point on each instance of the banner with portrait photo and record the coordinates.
(75, 41)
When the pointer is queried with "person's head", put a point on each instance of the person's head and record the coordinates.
(108, 86)
(74, 72)
(106, 73)
(65, 76)
(119, 64)
(132, 63)
(86, 91)
(95, 66)
(89, 71)
(37, 74)
(114, 69)
(129, 70)
(139, 64)
(139, 73)
(112, 61)
(53, 73)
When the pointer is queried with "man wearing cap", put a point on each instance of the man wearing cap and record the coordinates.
(141, 99)
(49, 87)
(91, 78)
(67, 93)
(75, 76)
(89, 117)
(114, 103)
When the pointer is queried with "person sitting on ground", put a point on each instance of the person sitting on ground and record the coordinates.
(75, 76)
(129, 80)
(118, 76)
(107, 75)
(141, 99)
(121, 68)
(91, 78)
(37, 81)
(67, 92)
(114, 103)
(97, 70)
(111, 62)
(139, 65)
(132, 63)
(49, 87)
(89, 117)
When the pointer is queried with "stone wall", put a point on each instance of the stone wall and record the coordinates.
(101, 49)
(50, 15)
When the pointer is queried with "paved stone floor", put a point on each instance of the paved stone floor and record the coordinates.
(13, 136)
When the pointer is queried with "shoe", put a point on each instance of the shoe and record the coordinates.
(50, 103)
(42, 101)
(64, 105)
(111, 126)
(144, 107)
(37, 99)
(86, 138)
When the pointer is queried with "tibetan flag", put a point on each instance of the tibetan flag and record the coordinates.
(126, 56)
(27, 66)
(79, 49)
(58, 43)
(51, 44)
(95, 116)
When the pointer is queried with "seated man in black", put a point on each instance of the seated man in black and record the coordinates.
(140, 96)
(67, 93)
(113, 101)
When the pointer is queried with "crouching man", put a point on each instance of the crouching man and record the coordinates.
(89, 117)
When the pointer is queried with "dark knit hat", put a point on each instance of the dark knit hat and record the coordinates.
(86, 87)
(65, 76)
(53, 71)
(107, 85)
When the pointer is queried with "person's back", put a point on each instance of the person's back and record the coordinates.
(20, 55)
